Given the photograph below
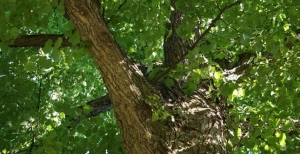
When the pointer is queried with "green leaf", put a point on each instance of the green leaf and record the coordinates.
(69, 59)
(60, 9)
(70, 25)
(55, 55)
(258, 46)
(155, 116)
(248, 36)
(169, 82)
(58, 145)
(221, 55)
(267, 148)
(14, 32)
(190, 88)
(62, 115)
(50, 150)
(87, 109)
(4, 47)
(30, 66)
(47, 48)
(268, 133)
(271, 47)
(22, 57)
(54, 3)
(287, 125)
(81, 129)
(239, 132)
(154, 72)
(45, 63)
(52, 135)
(218, 78)
(185, 30)
(47, 9)
(228, 88)
(165, 115)
(282, 140)
(75, 38)
(254, 119)
(58, 42)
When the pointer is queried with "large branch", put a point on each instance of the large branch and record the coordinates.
(38, 40)
(100, 105)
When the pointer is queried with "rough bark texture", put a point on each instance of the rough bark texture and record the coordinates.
(125, 84)
(199, 125)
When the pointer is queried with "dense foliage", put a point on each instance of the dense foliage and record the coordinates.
(43, 91)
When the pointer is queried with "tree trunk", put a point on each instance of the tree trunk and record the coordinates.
(199, 125)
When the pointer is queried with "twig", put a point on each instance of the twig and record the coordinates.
(113, 16)
(230, 26)
(32, 139)
(103, 10)
(213, 23)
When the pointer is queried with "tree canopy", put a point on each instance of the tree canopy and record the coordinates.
(241, 54)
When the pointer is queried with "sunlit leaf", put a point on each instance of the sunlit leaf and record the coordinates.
(218, 79)
(287, 125)
(155, 116)
(282, 140)
(62, 115)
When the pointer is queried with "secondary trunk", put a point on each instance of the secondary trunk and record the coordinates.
(199, 121)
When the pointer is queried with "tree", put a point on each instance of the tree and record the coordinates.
(182, 76)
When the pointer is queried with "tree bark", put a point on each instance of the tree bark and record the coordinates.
(199, 125)
(125, 83)
(38, 40)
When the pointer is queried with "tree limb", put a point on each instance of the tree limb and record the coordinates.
(100, 105)
(38, 40)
